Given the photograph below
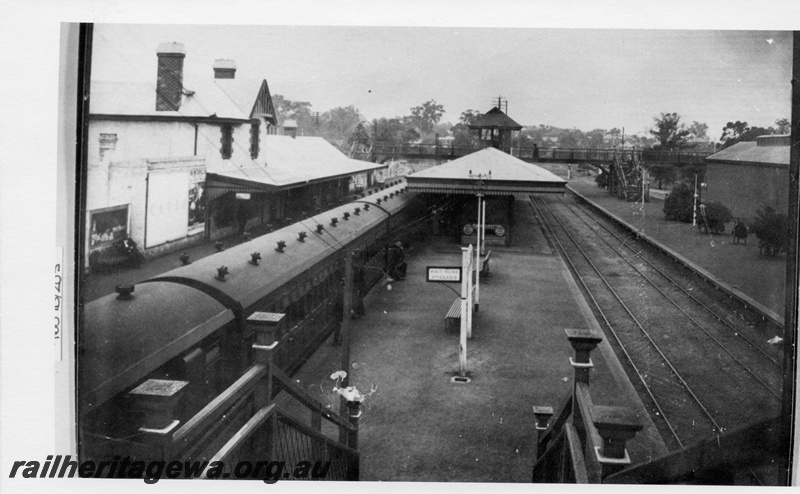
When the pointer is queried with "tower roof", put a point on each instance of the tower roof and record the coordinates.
(495, 119)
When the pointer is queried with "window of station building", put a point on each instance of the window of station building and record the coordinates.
(227, 141)
(254, 140)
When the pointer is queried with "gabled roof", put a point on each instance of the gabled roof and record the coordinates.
(286, 162)
(495, 119)
(200, 99)
(509, 175)
(252, 97)
(751, 153)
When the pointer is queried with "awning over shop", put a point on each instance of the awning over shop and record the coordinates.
(490, 172)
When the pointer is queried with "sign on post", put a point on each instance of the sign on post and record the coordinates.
(447, 274)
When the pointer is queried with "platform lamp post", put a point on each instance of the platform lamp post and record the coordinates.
(343, 337)
(481, 237)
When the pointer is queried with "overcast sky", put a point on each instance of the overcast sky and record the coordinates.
(578, 78)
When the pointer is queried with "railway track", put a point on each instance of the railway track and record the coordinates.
(700, 363)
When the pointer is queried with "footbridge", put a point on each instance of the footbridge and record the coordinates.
(381, 152)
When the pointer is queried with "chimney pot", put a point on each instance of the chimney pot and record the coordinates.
(224, 69)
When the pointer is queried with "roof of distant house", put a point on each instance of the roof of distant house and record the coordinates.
(495, 119)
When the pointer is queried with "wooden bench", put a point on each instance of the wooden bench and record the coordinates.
(453, 317)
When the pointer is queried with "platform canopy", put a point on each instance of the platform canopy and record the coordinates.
(488, 171)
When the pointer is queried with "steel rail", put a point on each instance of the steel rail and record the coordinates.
(644, 332)
(737, 331)
(660, 411)
(674, 303)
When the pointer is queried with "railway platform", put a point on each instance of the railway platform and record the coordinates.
(419, 426)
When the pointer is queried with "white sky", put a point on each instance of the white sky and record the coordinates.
(537, 72)
(582, 78)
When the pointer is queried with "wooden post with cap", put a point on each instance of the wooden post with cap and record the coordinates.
(266, 326)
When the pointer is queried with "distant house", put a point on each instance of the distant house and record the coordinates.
(749, 175)
(549, 140)
(182, 161)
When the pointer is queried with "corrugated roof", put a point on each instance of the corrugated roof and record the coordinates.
(495, 119)
(242, 92)
(286, 161)
(502, 165)
(139, 99)
(509, 176)
(749, 152)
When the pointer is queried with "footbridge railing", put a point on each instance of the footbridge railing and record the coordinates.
(382, 151)
(263, 424)
(585, 443)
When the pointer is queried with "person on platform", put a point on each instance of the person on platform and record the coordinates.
(397, 261)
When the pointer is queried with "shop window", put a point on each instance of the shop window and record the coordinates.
(227, 141)
(108, 225)
(254, 140)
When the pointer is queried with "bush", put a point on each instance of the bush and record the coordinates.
(770, 228)
(713, 216)
(678, 204)
(602, 179)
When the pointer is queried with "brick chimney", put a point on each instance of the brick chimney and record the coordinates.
(224, 69)
(290, 128)
(169, 86)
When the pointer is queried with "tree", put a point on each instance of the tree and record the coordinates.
(396, 131)
(426, 116)
(664, 174)
(735, 132)
(770, 228)
(679, 203)
(670, 132)
(339, 122)
(713, 216)
(783, 126)
(699, 130)
(463, 136)
(299, 111)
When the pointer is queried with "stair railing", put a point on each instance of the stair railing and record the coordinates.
(586, 442)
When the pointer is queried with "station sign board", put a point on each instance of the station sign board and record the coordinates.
(446, 274)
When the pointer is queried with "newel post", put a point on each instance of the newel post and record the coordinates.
(157, 398)
(543, 416)
(616, 426)
(353, 415)
(265, 325)
(583, 341)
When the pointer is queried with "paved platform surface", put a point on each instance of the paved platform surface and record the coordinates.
(417, 425)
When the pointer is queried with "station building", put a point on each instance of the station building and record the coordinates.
(185, 160)
(749, 175)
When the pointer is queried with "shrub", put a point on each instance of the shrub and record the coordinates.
(678, 204)
(602, 179)
(770, 228)
(713, 216)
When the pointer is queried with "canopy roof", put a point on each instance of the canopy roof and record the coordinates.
(285, 162)
(489, 171)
